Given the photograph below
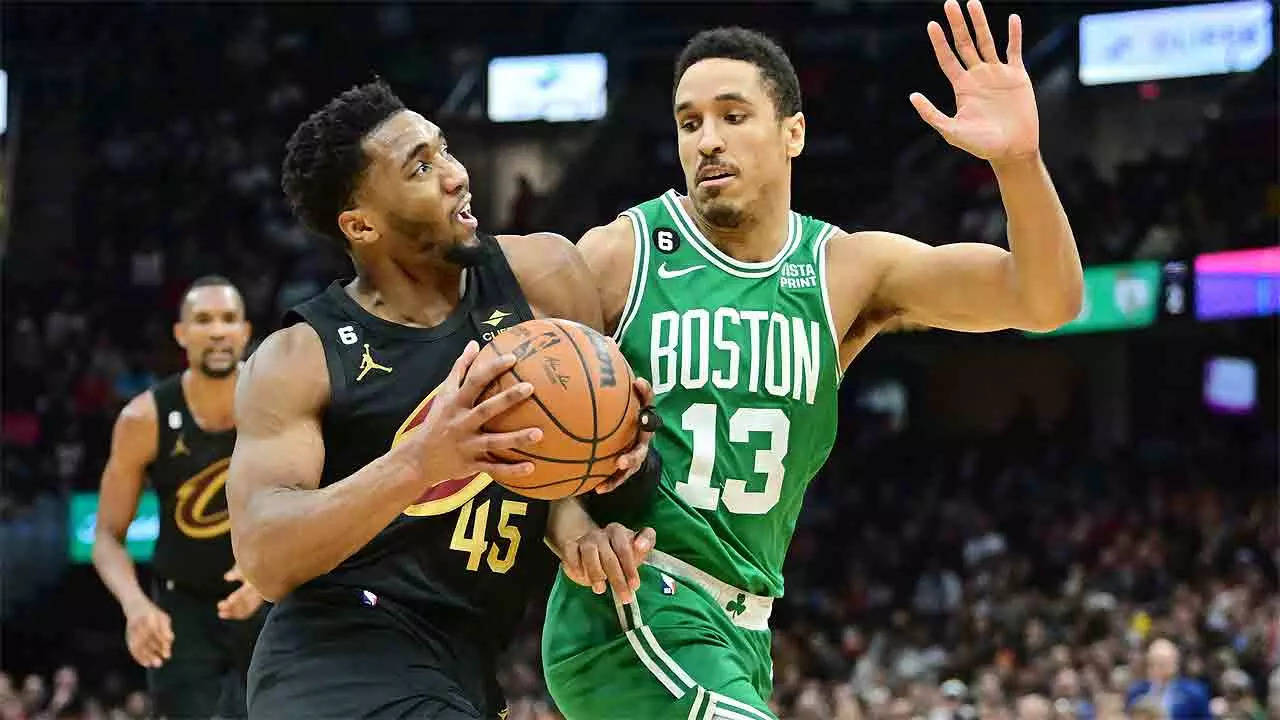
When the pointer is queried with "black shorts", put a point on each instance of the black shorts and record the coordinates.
(335, 654)
(205, 675)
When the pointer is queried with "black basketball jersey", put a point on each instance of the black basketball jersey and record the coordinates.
(189, 475)
(465, 559)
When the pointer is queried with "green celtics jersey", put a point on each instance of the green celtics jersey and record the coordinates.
(745, 369)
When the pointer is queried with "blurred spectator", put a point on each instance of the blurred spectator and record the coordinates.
(1179, 698)
(1237, 701)
(1033, 707)
(522, 207)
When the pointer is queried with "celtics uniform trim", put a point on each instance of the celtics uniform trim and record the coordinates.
(731, 265)
(639, 272)
(820, 259)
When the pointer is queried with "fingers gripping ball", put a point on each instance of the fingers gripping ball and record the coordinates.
(583, 401)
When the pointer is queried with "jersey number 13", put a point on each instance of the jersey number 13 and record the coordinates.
(700, 419)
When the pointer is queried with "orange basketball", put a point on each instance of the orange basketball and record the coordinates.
(582, 400)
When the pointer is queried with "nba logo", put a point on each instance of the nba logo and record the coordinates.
(668, 585)
(368, 598)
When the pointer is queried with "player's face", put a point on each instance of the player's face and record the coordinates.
(213, 330)
(733, 147)
(415, 199)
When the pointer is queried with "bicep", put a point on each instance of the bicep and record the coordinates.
(279, 398)
(608, 253)
(133, 447)
(969, 287)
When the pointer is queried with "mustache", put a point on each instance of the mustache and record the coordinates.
(716, 165)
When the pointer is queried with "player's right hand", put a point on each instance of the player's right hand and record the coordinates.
(149, 634)
(452, 442)
(610, 556)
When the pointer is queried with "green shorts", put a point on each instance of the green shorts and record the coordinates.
(673, 653)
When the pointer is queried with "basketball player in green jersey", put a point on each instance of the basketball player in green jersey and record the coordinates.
(743, 314)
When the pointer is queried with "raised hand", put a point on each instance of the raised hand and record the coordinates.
(995, 105)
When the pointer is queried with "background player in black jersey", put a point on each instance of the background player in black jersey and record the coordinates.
(195, 631)
(360, 491)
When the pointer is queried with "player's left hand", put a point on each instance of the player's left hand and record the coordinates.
(243, 602)
(629, 463)
(608, 557)
(995, 105)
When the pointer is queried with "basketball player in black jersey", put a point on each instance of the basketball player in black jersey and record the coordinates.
(362, 493)
(194, 632)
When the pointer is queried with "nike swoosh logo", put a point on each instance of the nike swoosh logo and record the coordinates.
(666, 274)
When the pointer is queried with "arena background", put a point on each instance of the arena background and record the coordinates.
(1019, 514)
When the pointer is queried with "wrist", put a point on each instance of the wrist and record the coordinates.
(567, 522)
(1016, 163)
(413, 474)
(135, 605)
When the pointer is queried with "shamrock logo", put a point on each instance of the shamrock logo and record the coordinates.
(737, 607)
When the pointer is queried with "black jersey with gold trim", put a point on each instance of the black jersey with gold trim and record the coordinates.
(189, 475)
(468, 556)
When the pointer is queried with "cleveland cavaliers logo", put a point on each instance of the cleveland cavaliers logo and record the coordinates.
(450, 494)
(192, 513)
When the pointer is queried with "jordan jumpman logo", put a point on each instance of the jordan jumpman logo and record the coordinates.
(367, 363)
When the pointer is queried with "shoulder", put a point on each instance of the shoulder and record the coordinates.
(876, 245)
(139, 417)
(608, 246)
(1194, 687)
(618, 232)
(286, 372)
(535, 249)
(541, 259)
(554, 278)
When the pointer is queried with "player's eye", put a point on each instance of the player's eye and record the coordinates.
(422, 168)
(734, 118)
(689, 125)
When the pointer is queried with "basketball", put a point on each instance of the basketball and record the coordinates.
(582, 400)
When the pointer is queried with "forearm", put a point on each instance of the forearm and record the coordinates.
(291, 535)
(567, 521)
(1045, 261)
(117, 571)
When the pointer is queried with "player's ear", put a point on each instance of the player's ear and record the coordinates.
(793, 134)
(354, 223)
(180, 334)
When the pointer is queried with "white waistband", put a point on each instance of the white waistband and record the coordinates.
(742, 608)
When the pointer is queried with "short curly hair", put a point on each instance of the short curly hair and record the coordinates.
(736, 43)
(324, 160)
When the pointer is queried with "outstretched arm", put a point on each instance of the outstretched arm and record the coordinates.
(970, 286)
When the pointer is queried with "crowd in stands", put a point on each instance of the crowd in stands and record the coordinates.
(1024, 579)
(1016, 578)
(63, 698)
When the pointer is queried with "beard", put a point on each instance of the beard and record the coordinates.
(431, 235)
(471, 254)
(723, 214)
(215, 373)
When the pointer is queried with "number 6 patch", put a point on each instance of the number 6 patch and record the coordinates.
(666, 240)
